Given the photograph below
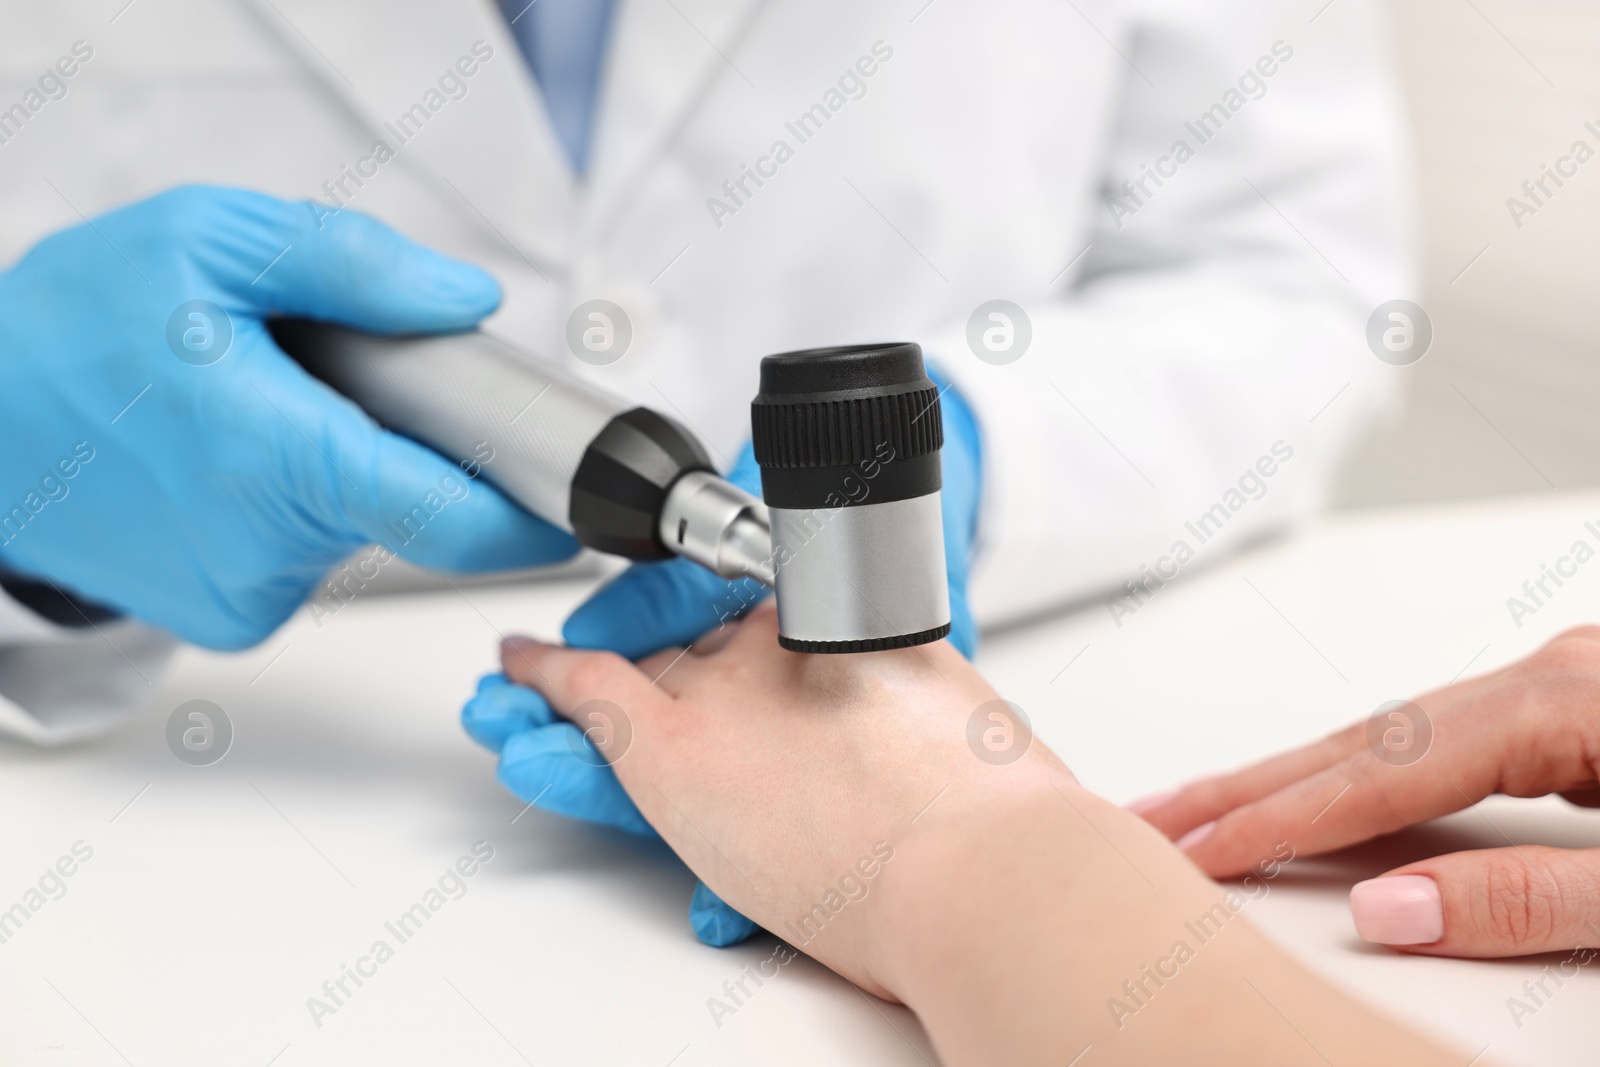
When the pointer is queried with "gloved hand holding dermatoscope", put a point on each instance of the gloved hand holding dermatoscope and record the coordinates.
(847, 439)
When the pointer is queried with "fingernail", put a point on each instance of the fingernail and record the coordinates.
(514, 644)
(1403, 910)
(1197, 835)
(1151, 802)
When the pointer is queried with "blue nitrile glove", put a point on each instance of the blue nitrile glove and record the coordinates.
(548, 761)
(163, 457)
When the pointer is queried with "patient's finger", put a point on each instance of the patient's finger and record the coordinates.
(1203, 801)
(674, 669)
(1181, 812)
(1357, 799)
(668, 669)
(1489, 902)
(570, 677)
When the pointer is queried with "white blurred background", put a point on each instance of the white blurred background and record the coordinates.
(1508, 398)
(1507, 401)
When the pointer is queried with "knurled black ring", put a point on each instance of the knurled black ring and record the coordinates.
(842, 433)
(868, 644)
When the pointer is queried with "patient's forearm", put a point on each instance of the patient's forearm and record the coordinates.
(1027, 929)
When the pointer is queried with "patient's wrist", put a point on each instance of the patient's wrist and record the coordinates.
(956, 870)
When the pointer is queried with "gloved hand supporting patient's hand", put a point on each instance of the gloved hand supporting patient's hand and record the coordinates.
(213, 482)
(547, 761)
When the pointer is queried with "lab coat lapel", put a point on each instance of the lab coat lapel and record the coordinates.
(665, 57)
(492, 154)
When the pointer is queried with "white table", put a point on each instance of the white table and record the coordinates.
(218, 899)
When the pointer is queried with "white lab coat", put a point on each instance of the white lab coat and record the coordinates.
(1178, 333)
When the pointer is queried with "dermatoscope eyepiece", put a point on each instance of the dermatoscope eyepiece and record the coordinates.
(848, 443)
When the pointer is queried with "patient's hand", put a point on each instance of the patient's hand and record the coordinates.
(1526, 730)
(836, 801)
(783, 778)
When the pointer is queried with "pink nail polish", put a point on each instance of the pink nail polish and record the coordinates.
(1189, 840)
(1403, 910)
(1151, 802)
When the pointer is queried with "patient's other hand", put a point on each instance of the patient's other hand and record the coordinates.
(1527, 730)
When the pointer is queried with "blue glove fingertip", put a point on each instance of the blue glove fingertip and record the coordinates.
(652, 606)
(501, 709)
(714, 922)
(557, 768)
(399, 285)
(439, 514)
(460, 289)
(496, 680)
